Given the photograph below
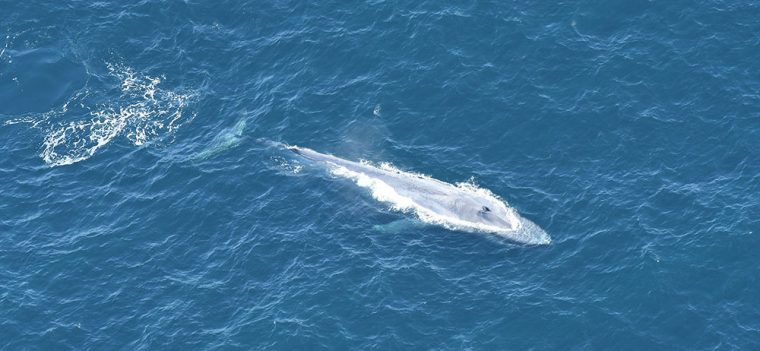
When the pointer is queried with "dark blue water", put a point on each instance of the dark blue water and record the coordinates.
(138, 211)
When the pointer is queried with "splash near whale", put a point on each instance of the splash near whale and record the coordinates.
(463, 206)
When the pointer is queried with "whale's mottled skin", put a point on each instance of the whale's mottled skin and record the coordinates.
(433, 201)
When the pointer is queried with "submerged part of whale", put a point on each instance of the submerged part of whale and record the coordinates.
(227, 139)
(462, 207)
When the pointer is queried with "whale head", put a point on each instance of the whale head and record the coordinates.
(505, 221)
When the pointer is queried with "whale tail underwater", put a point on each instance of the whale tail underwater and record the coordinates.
(227, 139)
(461, 207)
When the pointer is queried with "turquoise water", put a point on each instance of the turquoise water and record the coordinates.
(139, 209)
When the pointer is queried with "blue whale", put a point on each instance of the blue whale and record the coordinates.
(463, 207)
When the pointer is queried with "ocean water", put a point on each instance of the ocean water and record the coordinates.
(139, 209)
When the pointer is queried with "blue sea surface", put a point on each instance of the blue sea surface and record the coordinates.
(139, 209)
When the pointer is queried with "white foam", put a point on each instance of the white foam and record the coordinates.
(379, 189)
(143, 113)
(288, 165)
(5, 47)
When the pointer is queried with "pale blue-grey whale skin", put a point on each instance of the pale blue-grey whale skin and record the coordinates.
(455, 207)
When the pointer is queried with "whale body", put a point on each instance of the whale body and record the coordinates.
(463, 207)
